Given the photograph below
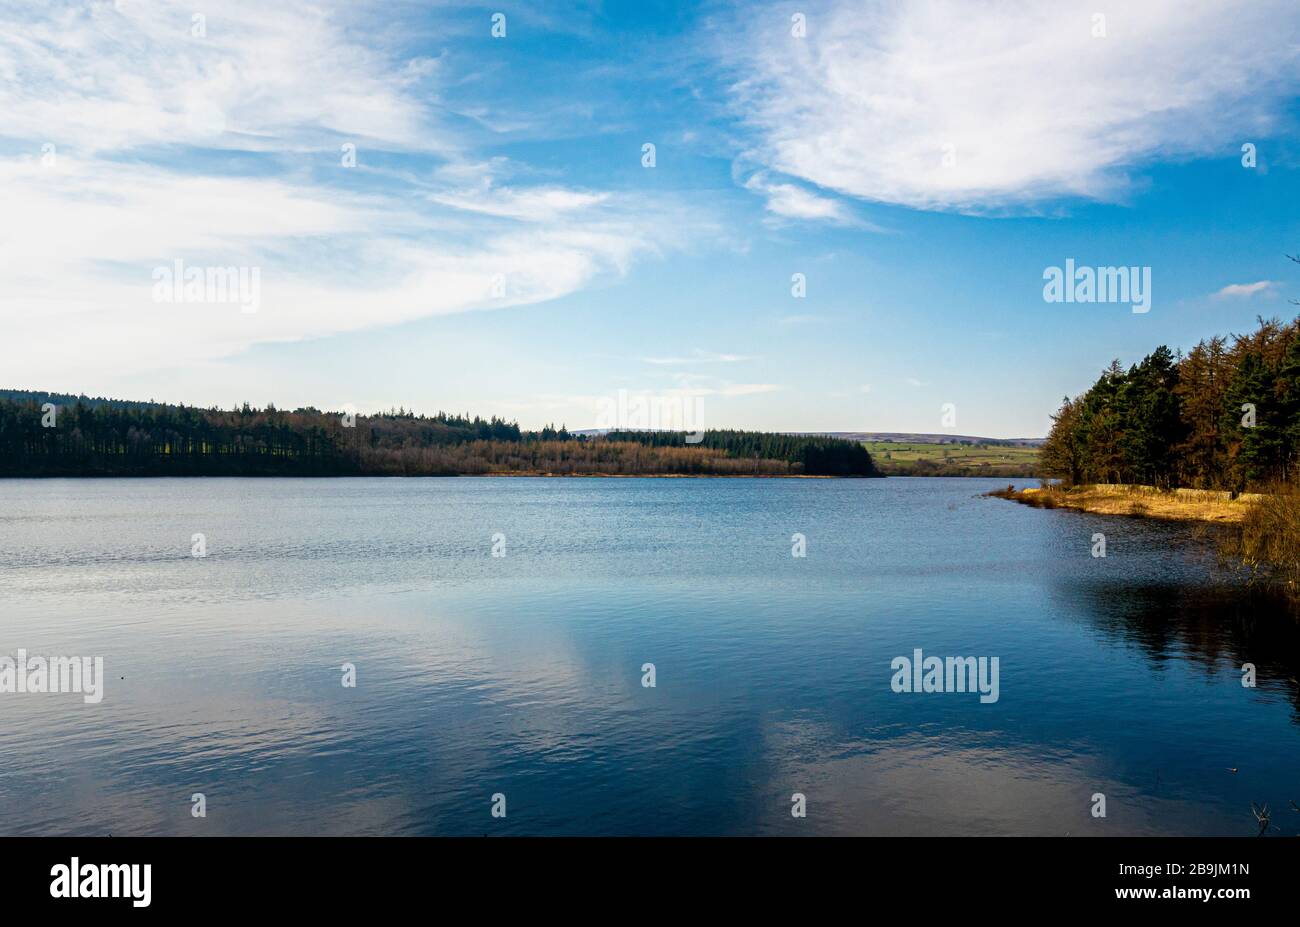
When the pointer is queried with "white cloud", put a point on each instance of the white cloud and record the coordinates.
(695, 388)
(684, 407)
(112, 76)
(698, 357)
(1245, 290)
(793, 202)
(1029, 104)
(79, 257)
(534, 205)
(748, 389)
(143, 116)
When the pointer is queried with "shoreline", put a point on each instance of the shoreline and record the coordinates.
(1193, 505)
(433, 476)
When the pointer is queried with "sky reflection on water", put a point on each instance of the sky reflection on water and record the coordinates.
(522, 675)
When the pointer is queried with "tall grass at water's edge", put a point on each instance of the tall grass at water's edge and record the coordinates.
(1265, 541)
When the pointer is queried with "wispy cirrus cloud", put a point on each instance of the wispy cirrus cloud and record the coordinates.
(534, 205)
(790, 201)
(1246, 290)
(745, 389)
(698, 357)
(91, 235)
(106, 76)
(949, 105)
(136, 134)
(696, 384)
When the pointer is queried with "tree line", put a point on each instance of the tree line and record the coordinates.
(813, 455)
(1225, 415)
(43, 434)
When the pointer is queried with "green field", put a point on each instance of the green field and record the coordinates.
(901, 459)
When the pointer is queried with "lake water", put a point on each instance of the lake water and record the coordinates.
(522, 674)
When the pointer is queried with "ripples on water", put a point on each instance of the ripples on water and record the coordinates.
(522, 674)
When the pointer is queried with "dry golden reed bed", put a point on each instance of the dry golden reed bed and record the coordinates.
(1145, 501)
(1260, 531)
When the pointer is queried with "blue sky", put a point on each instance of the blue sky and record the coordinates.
(500, 248)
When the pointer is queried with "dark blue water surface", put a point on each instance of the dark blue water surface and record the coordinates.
(522, 674)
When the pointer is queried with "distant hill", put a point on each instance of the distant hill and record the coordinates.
(898, 437)
(906, 437)
(897, 453)
(961, 457)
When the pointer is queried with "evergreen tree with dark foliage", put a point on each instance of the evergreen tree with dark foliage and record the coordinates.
(1219, 418)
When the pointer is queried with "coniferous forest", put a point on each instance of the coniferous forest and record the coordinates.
(1225, 415)
(44, 434)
